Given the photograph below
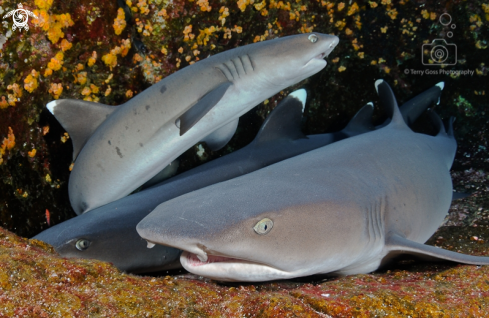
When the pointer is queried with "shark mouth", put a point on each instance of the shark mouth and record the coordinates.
(231, 269)
(193, 260)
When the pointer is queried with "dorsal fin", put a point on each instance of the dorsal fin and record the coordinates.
(437, 123)
(361, 122)
(414, 107)
(388, 100)
(79, 118)
(285, 120)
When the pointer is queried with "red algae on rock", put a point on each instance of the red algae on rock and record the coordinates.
(34, 281)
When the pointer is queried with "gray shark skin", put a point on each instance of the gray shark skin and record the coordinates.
(342, 209)
(120, 148)
(108, 233)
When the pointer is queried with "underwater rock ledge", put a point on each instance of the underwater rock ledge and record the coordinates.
(35, 281)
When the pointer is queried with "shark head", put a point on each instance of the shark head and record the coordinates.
(108, 237)
(290, 59)
(231, 239)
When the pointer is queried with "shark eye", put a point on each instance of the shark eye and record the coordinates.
(263, 226)
(82, 244)
(313, 38)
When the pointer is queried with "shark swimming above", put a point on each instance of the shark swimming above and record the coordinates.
(117, 149)
(346, 208)
(108, 233)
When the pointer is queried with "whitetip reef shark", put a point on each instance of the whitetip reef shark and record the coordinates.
(108, 233)
(342, 209)
(117, 149)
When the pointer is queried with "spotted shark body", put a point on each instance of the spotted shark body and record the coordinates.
(117, 149)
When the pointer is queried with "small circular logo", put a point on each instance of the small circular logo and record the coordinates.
(20, 17)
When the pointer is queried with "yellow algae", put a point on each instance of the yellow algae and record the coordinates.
(32, 153)
(43, 4)
(335, 60)
(129, 93)
(164, 50)
(119, 22)
(108, 91)
(16, 89)
(204, 5)
(361, 55)
(110, 60)
(384, 29)
(3, 103)
(42, 19)
(94, 89)
(138, 58)
(387, 69)
(48, 178)
(348, 31)
(180, 50)
(341, 69)
(341, 6)
(56, 89)
(187, 32)
(143, 6)
(71, 166)
(65, 45)
(340, 25)
(48, 72)
(242, 4)
(386, 2)
(260, 5)
(86, 91)
(81, 78)
(224, 13)
(353, 9)
(188, 58)
(30, 82)
(65, 137)
(425, 14)
(392, 13)
(373, 4)
(9, 142)
(79, 67)
(147, 29)
(56, 62)
(126, 46)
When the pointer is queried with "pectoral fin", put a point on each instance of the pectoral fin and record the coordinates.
(396, 244)
(79, 118)
(222, 136)
(202, 107)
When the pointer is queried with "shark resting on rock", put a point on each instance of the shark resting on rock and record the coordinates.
(346, 208)
(117, 149)
(108, 233)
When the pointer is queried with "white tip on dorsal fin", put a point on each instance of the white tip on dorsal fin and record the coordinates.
(79, 118)
(441, 85)
(388, 100)
(301, 95)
